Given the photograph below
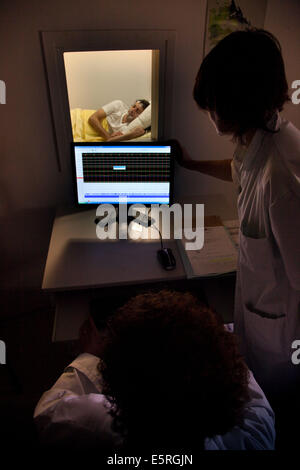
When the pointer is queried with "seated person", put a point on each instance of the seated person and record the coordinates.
(109, 123)
(165, 374)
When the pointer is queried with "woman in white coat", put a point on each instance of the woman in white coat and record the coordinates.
(242, 85)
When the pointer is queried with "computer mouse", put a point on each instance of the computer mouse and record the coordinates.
(166, 258)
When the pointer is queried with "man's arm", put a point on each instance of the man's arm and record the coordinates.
(218, 168)
(95, 122)
(136, 132)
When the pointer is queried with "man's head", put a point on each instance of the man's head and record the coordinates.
(173, 373)
(136, 109)
(242, 82)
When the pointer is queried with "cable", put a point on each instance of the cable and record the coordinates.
(161, 242)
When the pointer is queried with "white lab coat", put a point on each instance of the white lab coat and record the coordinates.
(75, 411)
(267, 304)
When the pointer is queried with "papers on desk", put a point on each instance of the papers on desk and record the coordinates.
(218, 255)
(233, 227)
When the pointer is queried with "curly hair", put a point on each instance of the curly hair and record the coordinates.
(242, 79)
(172, 372)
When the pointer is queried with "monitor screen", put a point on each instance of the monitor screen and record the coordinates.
(123, 172)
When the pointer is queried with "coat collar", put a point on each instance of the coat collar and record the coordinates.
(259, 137)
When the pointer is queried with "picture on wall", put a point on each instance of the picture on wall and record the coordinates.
(225, 16)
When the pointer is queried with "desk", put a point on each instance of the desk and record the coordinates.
(77, 259)
(78, 262)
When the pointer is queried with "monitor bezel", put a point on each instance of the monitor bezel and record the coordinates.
(122, 144)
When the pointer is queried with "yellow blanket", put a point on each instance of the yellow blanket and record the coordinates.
(82, 131)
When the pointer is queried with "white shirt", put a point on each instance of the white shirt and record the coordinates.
(267, 306)
(74, 409)
(115, 111)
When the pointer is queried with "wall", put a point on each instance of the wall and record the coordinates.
(95, 78)
(282, 19)
(30, 183)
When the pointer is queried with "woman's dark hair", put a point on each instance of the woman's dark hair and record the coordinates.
(242, 80)
(173, 374)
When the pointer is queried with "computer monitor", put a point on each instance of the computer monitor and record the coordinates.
(123, 172)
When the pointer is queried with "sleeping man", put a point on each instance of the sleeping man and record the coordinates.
(110, 123)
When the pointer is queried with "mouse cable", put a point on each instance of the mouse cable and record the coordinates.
(161, 242)
(152, 225)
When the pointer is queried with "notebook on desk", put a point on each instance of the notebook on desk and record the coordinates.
(218, 256)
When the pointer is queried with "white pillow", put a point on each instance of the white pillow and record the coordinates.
(144, 120)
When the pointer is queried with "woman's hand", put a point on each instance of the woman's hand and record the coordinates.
(217, 168)
(181, 155)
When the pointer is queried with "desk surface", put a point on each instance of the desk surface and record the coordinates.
(77, 259)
